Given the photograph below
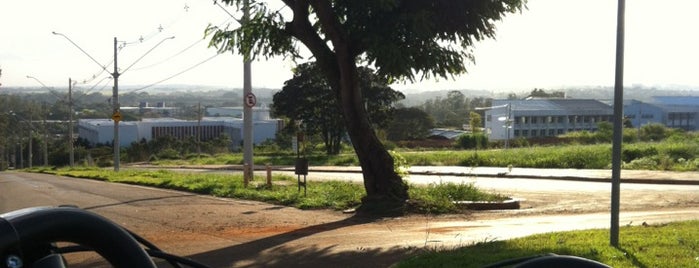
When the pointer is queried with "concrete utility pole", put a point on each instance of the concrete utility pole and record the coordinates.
(116, 115)
(31, 134)
(71, 145)
(46, 135)
(618, 126)
(247, 108)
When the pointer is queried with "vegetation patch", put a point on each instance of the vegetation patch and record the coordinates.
(667, 245)
(338, 195)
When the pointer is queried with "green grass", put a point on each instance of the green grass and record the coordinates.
(669, 245)
(338, 195)
(675, 155)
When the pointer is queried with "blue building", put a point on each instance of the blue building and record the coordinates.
(672, 111)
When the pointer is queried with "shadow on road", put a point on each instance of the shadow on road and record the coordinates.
(138, 200)
(273, 252)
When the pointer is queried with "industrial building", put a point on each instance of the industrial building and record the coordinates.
(532, 118)
(101, 131)
(672, 111)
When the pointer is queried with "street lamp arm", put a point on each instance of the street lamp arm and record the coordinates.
(83, 51)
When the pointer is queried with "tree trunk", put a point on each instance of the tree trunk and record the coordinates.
(385, 188)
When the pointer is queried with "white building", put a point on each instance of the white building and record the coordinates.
(535, 118)
(101, 131)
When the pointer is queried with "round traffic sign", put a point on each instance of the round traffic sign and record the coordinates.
(250, 100)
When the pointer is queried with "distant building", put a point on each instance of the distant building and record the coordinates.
(642, 113)
(672, 111)
(101, 131)
(533, 118)
(445, 134)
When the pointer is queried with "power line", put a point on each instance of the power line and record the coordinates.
(177, 74)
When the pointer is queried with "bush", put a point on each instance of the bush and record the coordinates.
(472, 141)
(630, 154)
(168, 153)
(653, 132)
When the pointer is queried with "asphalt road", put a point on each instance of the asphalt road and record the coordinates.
(236, 233)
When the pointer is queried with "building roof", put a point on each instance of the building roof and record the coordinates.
(562, 106)
(676, 100)
(446, 133)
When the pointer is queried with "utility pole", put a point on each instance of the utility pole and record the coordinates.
(198, 130)
(46, 137)
(71, 145)
(618, 126)
(247, 109)
(31, 134)
(116, 115)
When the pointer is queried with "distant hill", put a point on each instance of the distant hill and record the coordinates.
(636, 92)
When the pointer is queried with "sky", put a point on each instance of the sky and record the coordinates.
(552, 44)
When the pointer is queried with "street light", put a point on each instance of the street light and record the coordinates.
(507, 119)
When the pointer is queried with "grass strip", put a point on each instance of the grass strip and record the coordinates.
(331, 194)
(666, 245)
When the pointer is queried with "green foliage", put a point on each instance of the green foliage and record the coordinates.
(629, 154)
(409, 124)
(472, 141)
(453, 110)
(400, 165)
(308, 97)
(667, 245)
(475, 122)
(653, 132)
(441, 197)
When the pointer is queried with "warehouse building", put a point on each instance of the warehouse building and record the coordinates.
(534, 118)
(101, 131)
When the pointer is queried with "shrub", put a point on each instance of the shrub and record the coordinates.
(650, 163)
(472, 141)
(653, 132)
(629, 154)
(168, 153)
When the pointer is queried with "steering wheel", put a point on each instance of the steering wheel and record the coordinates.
(23, 232)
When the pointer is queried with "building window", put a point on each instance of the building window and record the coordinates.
(525, 133)
(516, 132)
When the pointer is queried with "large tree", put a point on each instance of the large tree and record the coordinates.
(409, 124)
(403, 39)
(307, 96)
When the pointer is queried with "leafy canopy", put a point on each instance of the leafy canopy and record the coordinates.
(308, 97)
(401, 38)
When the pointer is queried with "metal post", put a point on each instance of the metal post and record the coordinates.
(508, 125)
(46, 137)
(115, 106)
(70, 123)
(31, 135)
(618, 120)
